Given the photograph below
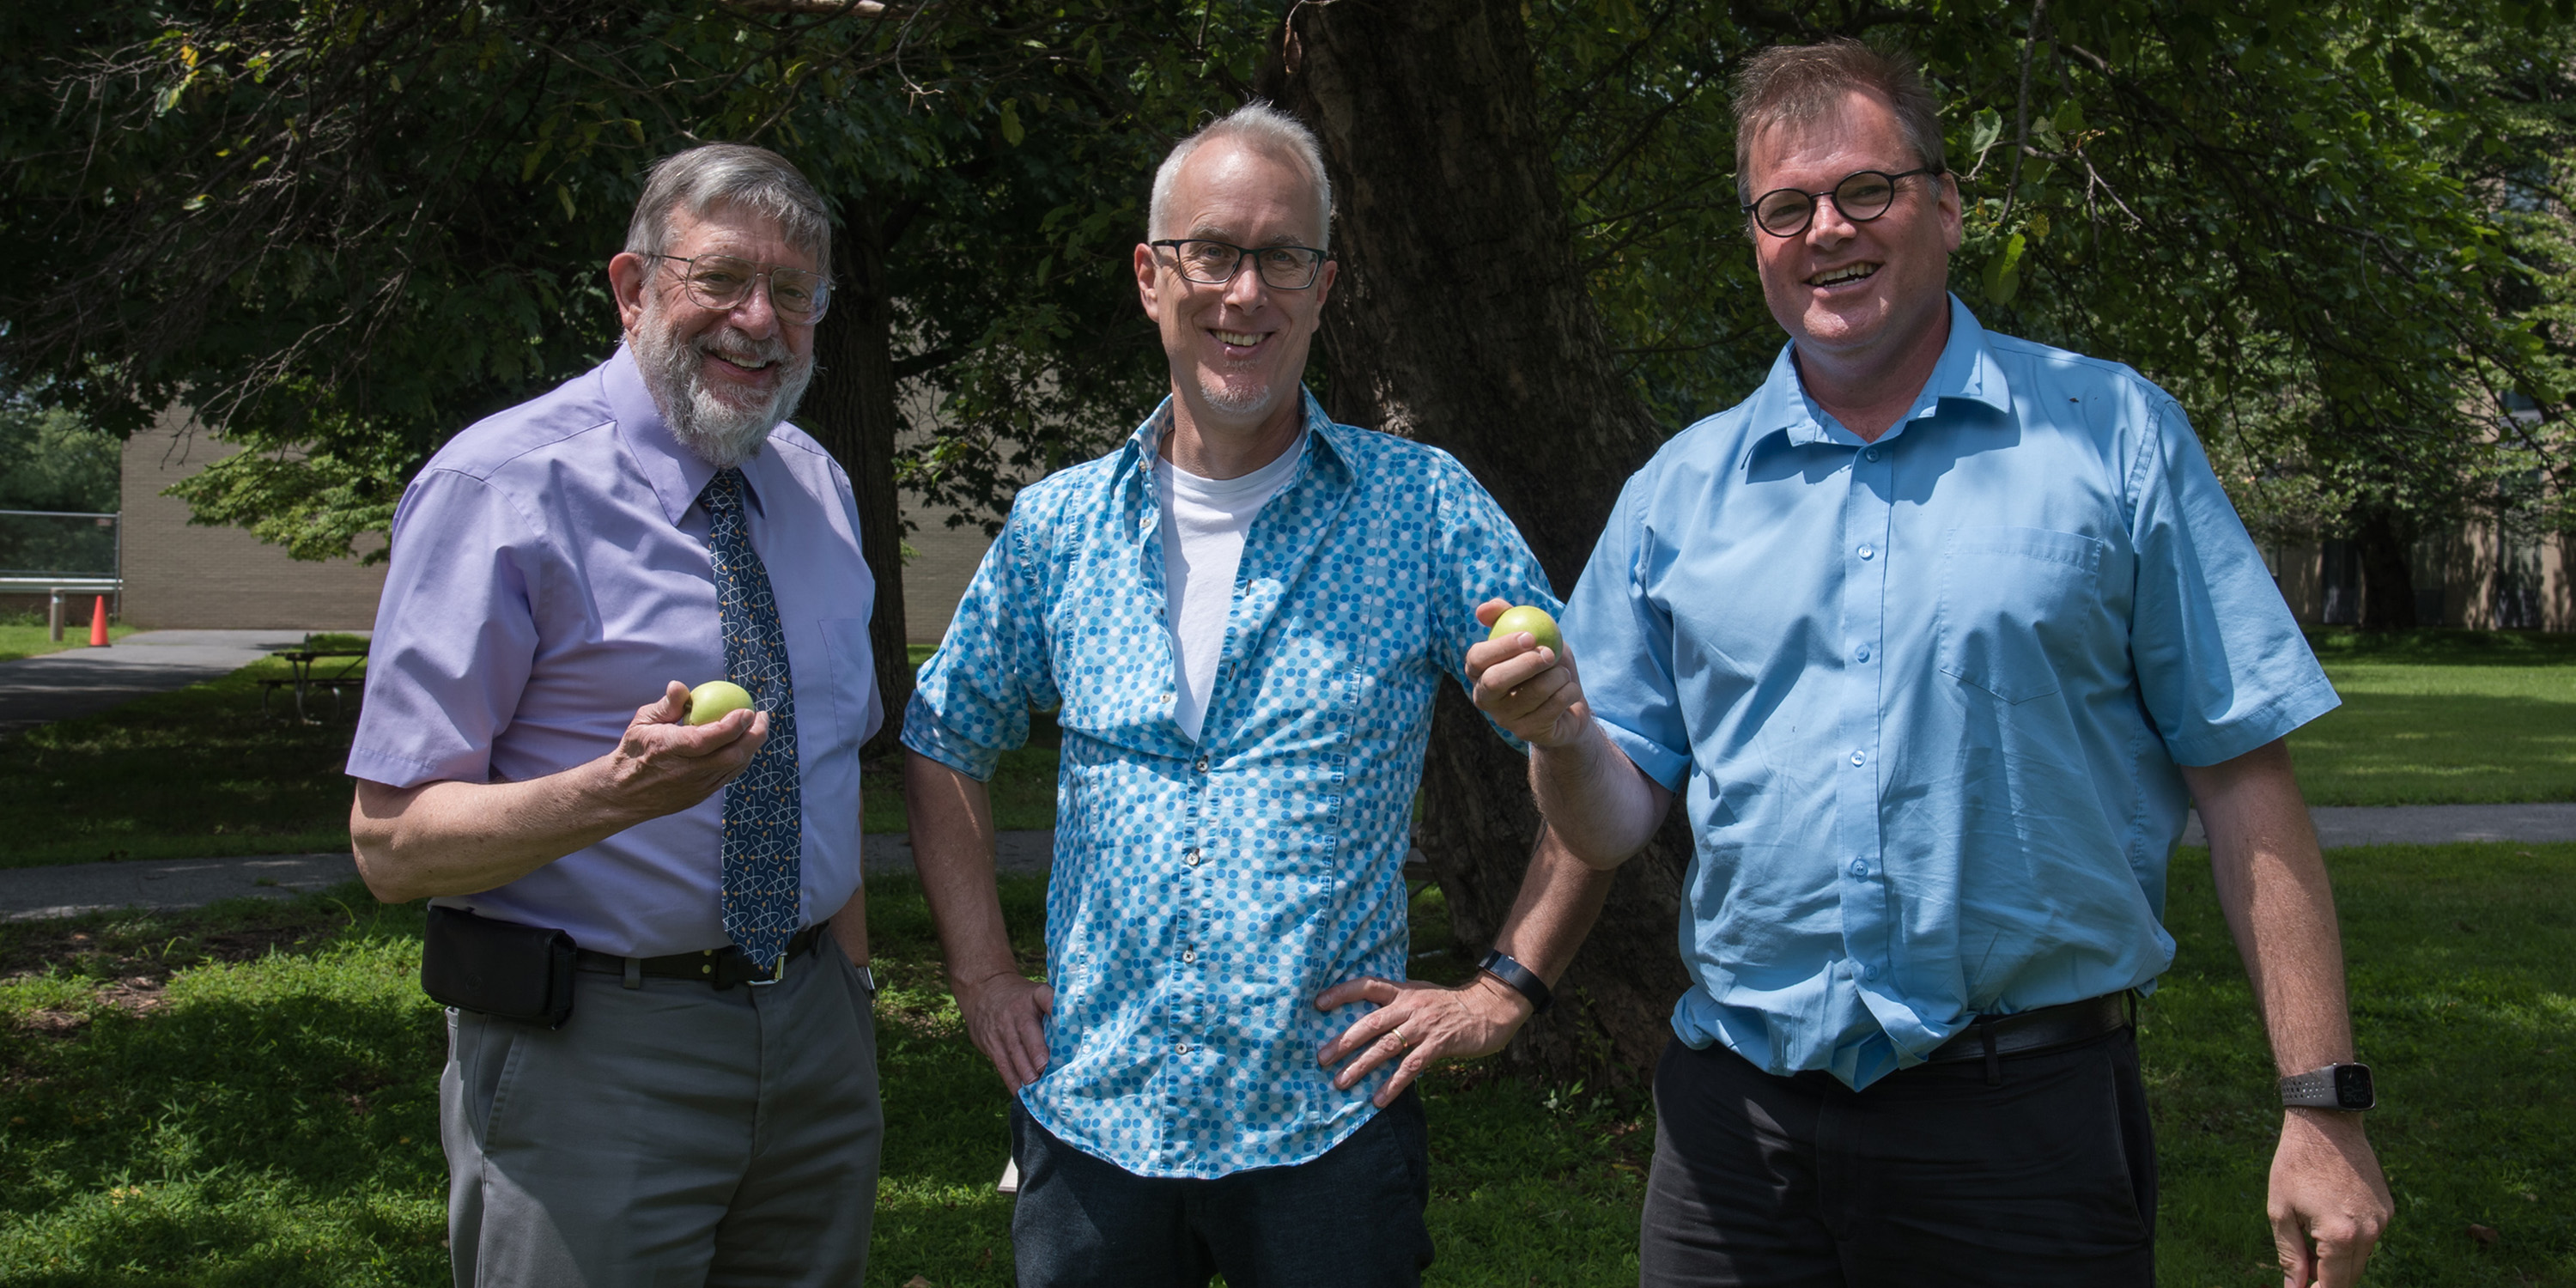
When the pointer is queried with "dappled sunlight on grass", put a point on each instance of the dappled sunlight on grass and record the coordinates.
(2443, 717)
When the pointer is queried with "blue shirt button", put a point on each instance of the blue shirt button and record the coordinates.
(1857, 757)
(1871, 453)
(1860, 867)
(1862, 652)
(1866, 552)
(1201, 766)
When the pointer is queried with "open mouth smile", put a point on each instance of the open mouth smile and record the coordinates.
(1859, 272)
(1239, 343)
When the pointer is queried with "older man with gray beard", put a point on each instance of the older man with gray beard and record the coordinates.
(647, 927)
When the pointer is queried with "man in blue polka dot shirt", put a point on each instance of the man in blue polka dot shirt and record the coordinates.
(1240, 618)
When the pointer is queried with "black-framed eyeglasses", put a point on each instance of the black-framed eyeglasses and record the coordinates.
(725, 281)
(1214, 263)
(1863, 195)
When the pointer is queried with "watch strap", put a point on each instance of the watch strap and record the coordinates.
(1518, 978)
(2324, 1089)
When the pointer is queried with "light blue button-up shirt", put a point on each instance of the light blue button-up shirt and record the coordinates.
(1205, 892)
(1925, 698)
(550, 575)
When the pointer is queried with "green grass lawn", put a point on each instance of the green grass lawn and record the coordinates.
(193, 773)
(247, 1096)
(19, 639)
(2429, 717)
(2443, 717)
(200, 773)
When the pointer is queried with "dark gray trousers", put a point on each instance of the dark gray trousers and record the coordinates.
(667, 1134)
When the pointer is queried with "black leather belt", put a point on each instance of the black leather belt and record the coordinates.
(1991, 1037)
(723, 967)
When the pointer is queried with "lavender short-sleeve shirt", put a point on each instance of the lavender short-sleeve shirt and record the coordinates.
(549, 576)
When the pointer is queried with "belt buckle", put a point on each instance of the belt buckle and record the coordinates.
(778, 973)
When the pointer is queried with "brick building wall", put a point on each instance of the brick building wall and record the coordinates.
(182, 576)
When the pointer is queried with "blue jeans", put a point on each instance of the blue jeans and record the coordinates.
(1349, 1219)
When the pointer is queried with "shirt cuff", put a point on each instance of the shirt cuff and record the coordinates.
(2275, 719)
(1657, 761)
(932, 739)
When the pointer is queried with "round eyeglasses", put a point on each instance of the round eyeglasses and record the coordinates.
(1863, 195)
(1214, 263)
(724, 282)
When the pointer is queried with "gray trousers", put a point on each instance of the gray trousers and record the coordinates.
(667, 1134)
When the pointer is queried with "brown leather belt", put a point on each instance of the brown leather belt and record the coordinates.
(1991, 1037)
(722, 967)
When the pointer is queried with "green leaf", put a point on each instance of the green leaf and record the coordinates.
(2003, 272)
(2069, 118)
(1011, 132)
(1984, 128)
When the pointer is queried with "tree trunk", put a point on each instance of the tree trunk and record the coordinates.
(850, 409)
(1461, 320)
(2387, 574)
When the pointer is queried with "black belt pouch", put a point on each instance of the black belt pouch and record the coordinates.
(498, 967)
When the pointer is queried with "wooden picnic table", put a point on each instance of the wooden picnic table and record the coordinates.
(302, 662)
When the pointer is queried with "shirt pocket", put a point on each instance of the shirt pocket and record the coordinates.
(2013, 601)
(854, 677)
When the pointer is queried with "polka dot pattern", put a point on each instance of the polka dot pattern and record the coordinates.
(764, 808)
(1205, 892)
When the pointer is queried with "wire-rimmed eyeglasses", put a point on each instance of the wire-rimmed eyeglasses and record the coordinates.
(1863, 195)
(725, 281)
(1214, 263)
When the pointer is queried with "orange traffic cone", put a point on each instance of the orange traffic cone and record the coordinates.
(98, 624)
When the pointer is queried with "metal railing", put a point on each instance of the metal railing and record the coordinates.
(63, 552)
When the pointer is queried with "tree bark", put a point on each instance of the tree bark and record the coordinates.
(850, 408)
(1461, 320)
(2387, 574)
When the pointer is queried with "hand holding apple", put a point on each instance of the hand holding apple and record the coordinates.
(1530, 689)
(666, 762)
(714, 700)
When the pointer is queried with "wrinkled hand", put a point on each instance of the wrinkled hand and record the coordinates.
(2329, 1202)
(1006, 1016)
(662, 766)
(1528, 689)
(1420, 1022)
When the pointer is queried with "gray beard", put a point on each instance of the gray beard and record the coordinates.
(1239, 402)
(716, 431)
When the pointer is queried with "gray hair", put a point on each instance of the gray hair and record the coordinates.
(1264, 129)
(749, 179)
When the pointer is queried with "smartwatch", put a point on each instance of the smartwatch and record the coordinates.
(2336, 1086)
(1518, 978)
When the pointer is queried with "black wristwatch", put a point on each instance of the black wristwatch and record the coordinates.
(1518, 978)
(2336, 1086)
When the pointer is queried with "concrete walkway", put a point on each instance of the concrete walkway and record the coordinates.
(27, 894)
(85, 681)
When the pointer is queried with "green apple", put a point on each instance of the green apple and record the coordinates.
(1533, 620)
(716, 699)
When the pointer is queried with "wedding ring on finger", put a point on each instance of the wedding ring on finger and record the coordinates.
(1398, 1034)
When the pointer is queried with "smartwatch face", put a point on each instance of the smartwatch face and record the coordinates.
(2352, 1087)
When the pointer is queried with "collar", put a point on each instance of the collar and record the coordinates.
(677, 474)
(1326, 448)
(1967, 372)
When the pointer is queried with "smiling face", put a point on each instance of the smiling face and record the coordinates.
(1238, 350)
(1856, 295)
(723, 378)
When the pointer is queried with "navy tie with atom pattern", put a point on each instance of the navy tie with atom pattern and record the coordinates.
(764, 814)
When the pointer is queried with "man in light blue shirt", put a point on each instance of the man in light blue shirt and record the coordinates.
(1240, 618)
(1937, 635)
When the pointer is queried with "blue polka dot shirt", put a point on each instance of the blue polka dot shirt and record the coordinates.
(1205, 892)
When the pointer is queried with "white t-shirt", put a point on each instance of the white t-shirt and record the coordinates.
(1204, 522)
